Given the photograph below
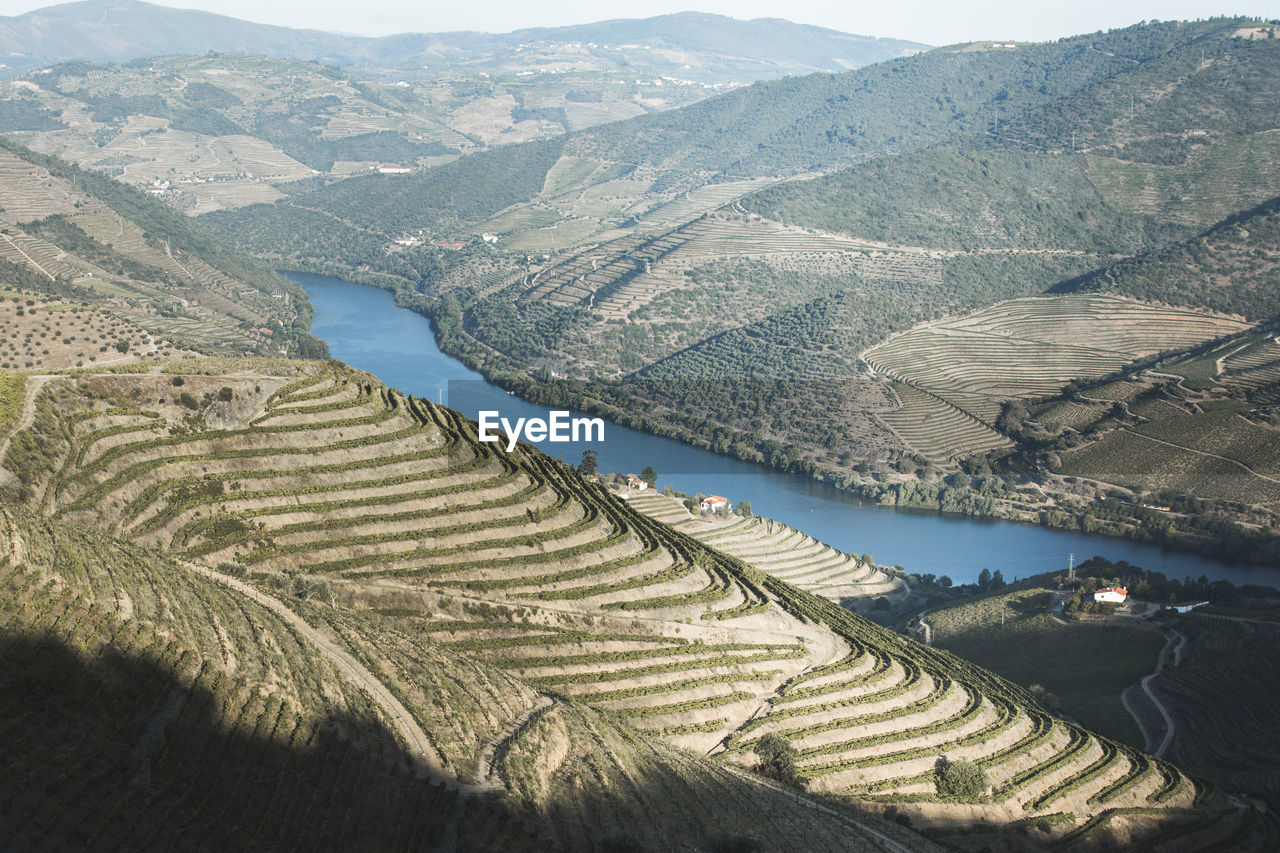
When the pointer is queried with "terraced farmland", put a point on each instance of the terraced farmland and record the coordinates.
(1211, 701)
(621, 275)
(599, 273)
(409, 537)
(211, 703)
(70, 234)
(776, 549)
(938, 429)
(1018, 349)
(1252, 367)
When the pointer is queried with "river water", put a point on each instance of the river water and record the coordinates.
(364, 328)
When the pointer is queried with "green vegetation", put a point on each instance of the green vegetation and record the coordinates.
(1229, 268)
(1081, 668)
(697, 291)
(12, 391)
(383, 521)
(777, 759)
(961, 779)
(76, 234)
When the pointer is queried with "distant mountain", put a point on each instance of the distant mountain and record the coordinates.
(690, 44)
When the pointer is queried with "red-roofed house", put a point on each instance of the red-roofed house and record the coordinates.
(1112, 594)
(715, 503)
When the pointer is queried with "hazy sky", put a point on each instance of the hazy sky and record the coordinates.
(929, 21)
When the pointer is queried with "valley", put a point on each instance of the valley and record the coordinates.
(266, 582)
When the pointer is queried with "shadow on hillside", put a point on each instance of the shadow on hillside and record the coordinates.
(74, 773)
(79, 729)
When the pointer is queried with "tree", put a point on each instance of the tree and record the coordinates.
(777, 758)
(588, 466)
(960, 778)
(997, 580)
(650, 476)
(984, 579)
(945, 582)
(1046, 698)
(743, 509)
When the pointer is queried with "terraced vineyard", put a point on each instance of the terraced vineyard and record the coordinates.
(938, 429)
(405, 537)
(778, 550)
(621, 275)
(73, 234)
(600, 273)
(1252, 367)
(1019, 349)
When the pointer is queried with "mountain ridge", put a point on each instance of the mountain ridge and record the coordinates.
(123, 30)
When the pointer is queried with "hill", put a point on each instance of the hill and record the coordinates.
(704, 47)
(384, 524)
(1140, 675)
(204, 691)
(760, 251)
(74, 235)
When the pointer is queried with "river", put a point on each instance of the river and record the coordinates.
(364, 328)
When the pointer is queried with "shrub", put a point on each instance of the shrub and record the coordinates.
(224, 394)
(230, 567)
(960, 778)
(777, 758)
(187, 400)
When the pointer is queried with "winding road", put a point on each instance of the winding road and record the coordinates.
(1145, 684)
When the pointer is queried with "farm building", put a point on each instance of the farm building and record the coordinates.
(1186, 606)
(715, 503)
(636, 483)
(1112, 594)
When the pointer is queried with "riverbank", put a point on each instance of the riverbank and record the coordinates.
(365, 327)
(1220, 536)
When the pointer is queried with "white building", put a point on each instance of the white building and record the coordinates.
(715, 503)
(1186, 606)
(1111, 595)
